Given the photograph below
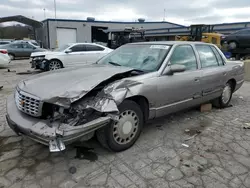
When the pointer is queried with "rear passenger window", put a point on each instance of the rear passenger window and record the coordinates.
(207, 56)
(93, 48)
(78, 48)
(184, 55)
(218, 56)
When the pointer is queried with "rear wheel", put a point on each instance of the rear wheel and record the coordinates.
(232, 45)
(12, 56)
(54, 65)
(225, 98)
(121, 135)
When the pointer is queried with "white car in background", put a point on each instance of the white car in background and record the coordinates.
(69, 55)
(4, 58)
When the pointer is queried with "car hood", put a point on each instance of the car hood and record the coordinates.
(68, 85)
(44, 53)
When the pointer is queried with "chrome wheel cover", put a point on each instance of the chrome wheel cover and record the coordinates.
(54, 65)
(125, 129)
(226, 94)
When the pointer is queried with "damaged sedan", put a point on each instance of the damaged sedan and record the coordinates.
(115, 97)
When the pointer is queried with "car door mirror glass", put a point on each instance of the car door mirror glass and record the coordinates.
(68, 51)
(170, 70)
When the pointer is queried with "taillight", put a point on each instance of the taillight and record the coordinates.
(3, 51)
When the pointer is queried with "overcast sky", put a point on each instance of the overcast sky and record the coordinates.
(178, 11)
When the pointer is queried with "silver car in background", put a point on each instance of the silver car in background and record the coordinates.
(116, 96)
(18, 49)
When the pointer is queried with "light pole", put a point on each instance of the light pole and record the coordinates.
(56, 23)
(55, 7)
(164, 15)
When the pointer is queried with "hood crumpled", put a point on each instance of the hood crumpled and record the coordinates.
(68, 85)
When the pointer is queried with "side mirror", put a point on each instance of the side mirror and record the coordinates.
(68, 51)
(170, 70)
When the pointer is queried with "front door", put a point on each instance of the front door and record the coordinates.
(180, 90)
(212, 72)
(76, 57)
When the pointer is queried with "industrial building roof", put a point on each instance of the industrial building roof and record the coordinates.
(22, 19)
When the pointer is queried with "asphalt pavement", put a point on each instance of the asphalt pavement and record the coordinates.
(184, 150)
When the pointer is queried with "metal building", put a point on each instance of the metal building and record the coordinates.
(61, 31)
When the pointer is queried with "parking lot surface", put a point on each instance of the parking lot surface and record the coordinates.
(183, 150)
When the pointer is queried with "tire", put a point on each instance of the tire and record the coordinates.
(226, 96)
(54, 65)
(232, 45)
(12, 56)
(121, 135)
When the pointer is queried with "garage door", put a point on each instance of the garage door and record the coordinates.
(65, 36)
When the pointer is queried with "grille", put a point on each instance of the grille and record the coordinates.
(28, 104)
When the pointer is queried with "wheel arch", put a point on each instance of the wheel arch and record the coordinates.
(143, 103)
(232, 81)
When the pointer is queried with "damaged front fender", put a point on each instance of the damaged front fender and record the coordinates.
(122, 89)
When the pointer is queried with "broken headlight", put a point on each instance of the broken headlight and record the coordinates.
(39, 58)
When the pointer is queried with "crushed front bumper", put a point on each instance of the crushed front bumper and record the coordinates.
(49, 133)
(39, 64)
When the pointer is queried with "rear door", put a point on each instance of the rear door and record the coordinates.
(16, 49)
(213, 71)
(94, 52)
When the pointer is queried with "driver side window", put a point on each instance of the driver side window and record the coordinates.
(184, 55)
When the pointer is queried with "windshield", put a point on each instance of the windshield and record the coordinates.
(62, 48)
(145, 57)
(35, 44)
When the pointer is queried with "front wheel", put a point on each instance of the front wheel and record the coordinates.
(121, 135)
(232, 45)
(225, 98)
(54, 65)
(12, 57)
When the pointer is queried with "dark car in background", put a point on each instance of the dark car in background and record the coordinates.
(239, 39)
(21, 49)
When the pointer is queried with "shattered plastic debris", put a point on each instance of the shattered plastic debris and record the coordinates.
(185, 145)
(191, 137)
(11, 70)
(235, 119)
(187, 130)
(72, 170)
(246, 126)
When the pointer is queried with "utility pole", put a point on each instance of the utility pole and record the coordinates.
(44, 13)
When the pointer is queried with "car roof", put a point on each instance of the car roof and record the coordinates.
(83, 43)
(169, 42)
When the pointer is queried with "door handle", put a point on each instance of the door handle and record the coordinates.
(197, 79)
